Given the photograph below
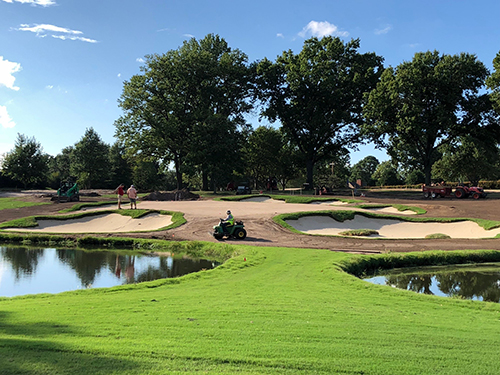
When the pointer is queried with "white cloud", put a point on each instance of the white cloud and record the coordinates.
(49, 87)
(5, 119)
(62, 33)
(139, 60)
(188, 35)
(7, 69)
(321, 29)
(385, 30)
(280, 35)
(119, 75)
(43, 3)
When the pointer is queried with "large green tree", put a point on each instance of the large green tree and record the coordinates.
(317, 95)
(90, 160)
(201, 87)
(493, 82)
(364, 169)
(26, 162)
(426, 103)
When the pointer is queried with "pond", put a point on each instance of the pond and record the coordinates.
(31, 271)
(478, 282)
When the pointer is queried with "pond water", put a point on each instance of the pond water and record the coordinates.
(31, 271)
(478, 282)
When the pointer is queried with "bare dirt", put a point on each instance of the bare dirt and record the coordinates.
(202, 214)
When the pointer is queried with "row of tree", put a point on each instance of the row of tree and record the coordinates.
(186, 111)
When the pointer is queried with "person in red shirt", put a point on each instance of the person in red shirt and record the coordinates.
(119, 190)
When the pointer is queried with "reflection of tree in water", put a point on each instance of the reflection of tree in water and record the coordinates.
(470, 284)
(23, 261)
(416, 283)
(86, 264)
(170, 267)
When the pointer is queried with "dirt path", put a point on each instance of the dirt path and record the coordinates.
(262, 231)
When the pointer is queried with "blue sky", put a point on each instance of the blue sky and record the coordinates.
(63, 62)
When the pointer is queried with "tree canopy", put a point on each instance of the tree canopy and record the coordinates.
(26, 163)
(317, 95)
(202, 87)
(426, 103)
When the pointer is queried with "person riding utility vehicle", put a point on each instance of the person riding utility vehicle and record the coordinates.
(227, 222)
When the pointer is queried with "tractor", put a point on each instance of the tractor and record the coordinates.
(236, 231)
(464, 191)
(68, 192)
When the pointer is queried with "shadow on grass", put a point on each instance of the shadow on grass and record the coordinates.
(25, 349)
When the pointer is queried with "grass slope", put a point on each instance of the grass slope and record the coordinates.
(289, 198)
(267, 311)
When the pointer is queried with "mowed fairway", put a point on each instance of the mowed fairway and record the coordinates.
(280, 311)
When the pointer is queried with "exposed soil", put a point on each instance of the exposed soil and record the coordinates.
(202, 215)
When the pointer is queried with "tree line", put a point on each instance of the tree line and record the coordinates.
(184, 120)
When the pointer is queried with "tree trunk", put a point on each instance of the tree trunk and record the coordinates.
(309, 169)
(178, 173)
(427, 173)
(204, 181)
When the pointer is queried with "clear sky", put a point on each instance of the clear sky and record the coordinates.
(63, 62)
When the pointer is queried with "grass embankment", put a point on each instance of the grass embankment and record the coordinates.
(79, 206)
(8, 203)
(343, 215)
(289, 198)
(267, 311)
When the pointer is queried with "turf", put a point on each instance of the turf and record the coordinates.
(267, 311)
(8, 203)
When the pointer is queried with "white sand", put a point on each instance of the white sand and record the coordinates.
(390, 228)
(392, 210)
(262, 199)
(108, 223)
(330, 203)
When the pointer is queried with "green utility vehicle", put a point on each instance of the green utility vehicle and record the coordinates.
(236, 231)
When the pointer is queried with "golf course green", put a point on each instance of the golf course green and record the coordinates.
(264, 311)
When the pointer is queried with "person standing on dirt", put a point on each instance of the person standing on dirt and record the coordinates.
(119, 190)
(227, 222)
(132, 195)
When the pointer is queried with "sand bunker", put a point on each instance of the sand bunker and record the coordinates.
(109, 223)
(392, 210)
(330, 203)
(262, 199)
(388, 228)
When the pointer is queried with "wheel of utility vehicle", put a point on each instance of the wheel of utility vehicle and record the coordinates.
(433, 195)
(459, 193)
(426, 194)
(476, 196)
(218, 236)
(240, 234)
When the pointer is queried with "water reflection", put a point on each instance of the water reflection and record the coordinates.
(29, 271)
(481, 282)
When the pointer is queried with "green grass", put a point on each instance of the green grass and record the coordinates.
(266, 311)
(439, 236)
(32, 221)
(358, 232)
(289, 198)
(79, 206)
(8, 203)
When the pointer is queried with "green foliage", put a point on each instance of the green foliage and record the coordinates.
(26, 163)
(187, 105)
(359, 232)
(386, 174)
(469, 159)
(90, 160)
(437, 236)
(120, 168)
(317, 95)
(493, 82)
(364, 169)
(425, 103)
